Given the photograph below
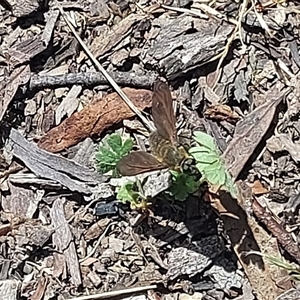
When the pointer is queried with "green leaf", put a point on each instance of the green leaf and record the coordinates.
(127, 146)
(216, 178)
(205, 157)
(111, 150)
(105, 155)
(205, 140)
(192, 185)
(230, 186)
(132, 192)
(114, 141)
(210, 163)
(183, 185)
(214, 167)
(199, 149)
(126, 193)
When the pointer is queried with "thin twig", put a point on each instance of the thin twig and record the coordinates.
(98, 242)
(117, 293)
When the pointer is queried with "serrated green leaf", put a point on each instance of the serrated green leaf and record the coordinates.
(178, 194)
(230, 185)
(199, 149)
(111, 150)
(105, 155)
(206, 157)
(222, 176)
(214, 167)
(210, 163)
(127, 146)
(114, 141)
(215, 178)
(183, 185)
(205, 140)
(192, 185)
(126, 193)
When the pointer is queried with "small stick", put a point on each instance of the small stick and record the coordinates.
(116, 293)
(40, 81)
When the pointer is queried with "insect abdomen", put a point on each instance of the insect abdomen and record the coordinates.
(164, 150)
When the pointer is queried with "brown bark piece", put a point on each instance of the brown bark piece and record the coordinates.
(93, 119)
(31, 46)
(257, 188)
(20, 202)
(40, 289)
(105, 42)
(63, 240)
(47, 165)
(250, 131)
(222, 112)
(175, 35)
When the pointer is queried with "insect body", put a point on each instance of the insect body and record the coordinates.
(163, 142)
(165, 152)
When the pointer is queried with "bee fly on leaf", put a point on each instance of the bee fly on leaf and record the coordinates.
(165, 152)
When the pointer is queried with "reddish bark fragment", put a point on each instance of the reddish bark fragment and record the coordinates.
(93, 119)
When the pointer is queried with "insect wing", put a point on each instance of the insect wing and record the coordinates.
(138, 162)
(162, 111)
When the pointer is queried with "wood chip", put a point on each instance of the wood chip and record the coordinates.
(8, 89)
(250, 131)
(283, 142)
(69, 104)
(70, 174)
(21, 202)
(63, 240)
(222, 112)
(9, 289)
(173, 36)
(22, 8)
(40, 289)
(105, 42)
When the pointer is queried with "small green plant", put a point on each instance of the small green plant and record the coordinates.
(111, 150)
(210, 163)
(183, 185)
(132, 193)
